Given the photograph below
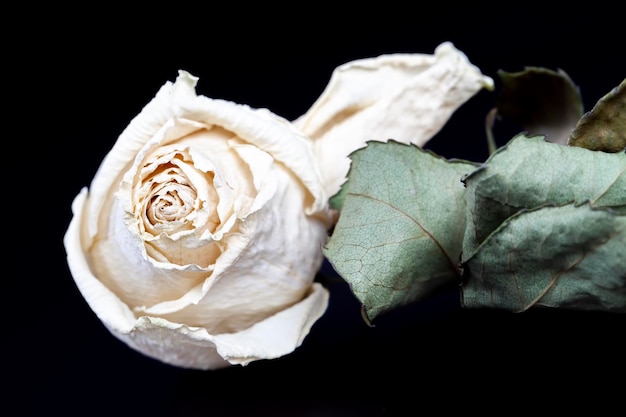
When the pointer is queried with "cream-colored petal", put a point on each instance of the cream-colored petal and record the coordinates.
(270, 133)
(260, 341)
(117, 259)
(135, 136)
(194, 347)
(261, 166)
(173, 343)
(105, 304)
(405, 97)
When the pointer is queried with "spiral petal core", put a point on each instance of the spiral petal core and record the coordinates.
(199, 239)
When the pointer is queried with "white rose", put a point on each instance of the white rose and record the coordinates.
(199, 238)
(405, 97)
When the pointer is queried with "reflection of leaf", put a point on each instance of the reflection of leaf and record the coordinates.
(604, 127)
(401, 225)
(567, 256)
(530, 172)
(541, 101)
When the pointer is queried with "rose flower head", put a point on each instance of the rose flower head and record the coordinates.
(199, 238)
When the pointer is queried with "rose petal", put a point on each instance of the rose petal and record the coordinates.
(110, 309)
(406, 97)
(194, 347)
(260, 341)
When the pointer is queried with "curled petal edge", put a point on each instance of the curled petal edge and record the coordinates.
(405, 97)
(193, 347)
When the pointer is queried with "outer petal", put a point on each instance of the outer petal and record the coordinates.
(260, 341)
(107, 306)
(194, 347)
(406, 97)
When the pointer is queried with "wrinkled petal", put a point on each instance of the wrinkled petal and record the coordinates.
(293, 324)
(405, 97)
(194, 347)
(107, 306)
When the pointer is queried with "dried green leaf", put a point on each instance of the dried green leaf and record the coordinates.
(569, 256)
(604, 127)
(541, 101)
(399, 233)
(530, 172)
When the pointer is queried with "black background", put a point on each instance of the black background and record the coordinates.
(84, 74)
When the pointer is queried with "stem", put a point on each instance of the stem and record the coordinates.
(489, 121)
